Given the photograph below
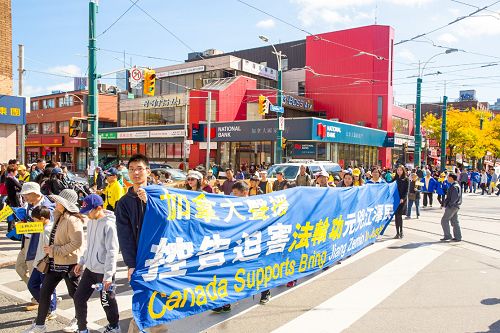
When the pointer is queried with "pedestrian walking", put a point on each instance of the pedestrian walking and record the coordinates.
(442, 187)
(347, 181)
(475, 178)
(64, 249)
(41, 214)
(265, 185)
(303, 178)
(98, 264)
(227, 186)
(428, 188)
(129, 218)
(403, 184)
(376, 177)
(254, 188)
(113, 190)
(452, 206)
(13, 186)
(464, 178)
(23, 174)
(414, 195)
(322, 179)
(493, 181)
(280, 183)
(483, 182)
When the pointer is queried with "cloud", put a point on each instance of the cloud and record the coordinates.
(406, 55)
(72, 70)
(447, 38)
(266, 24)
(334, 11)
(476, 26)
(31, 91)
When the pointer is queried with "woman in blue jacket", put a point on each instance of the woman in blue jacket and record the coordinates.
(429, 187)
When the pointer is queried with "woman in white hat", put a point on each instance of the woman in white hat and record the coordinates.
(64, 249)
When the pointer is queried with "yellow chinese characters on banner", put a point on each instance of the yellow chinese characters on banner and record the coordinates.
(5, 213)
(29, 228)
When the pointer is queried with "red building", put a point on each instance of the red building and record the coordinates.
(47, 128)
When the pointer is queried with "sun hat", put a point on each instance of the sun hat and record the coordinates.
(323, 174)
(68, 199)
(30, 187)
(356, 172)
(91, 201)
(194, 174)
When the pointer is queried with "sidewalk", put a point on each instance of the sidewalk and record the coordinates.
(8, 248)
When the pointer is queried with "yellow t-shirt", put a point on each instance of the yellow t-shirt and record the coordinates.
(113, 193)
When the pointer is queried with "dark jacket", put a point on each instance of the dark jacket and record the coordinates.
(278, 186)
(13, 189)
(414, 189)
(403, 187)
(129, 213)
(56, 185)
(99, 181)
(453, 196)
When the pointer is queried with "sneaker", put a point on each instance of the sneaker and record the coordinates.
(72, 327)
(265, 296)
(221, 309)
(456, 240)
(31, 307)
(408, 217)
(52, 315)
(36, 329)
(111, 329)
(291, 284)
(444, 239)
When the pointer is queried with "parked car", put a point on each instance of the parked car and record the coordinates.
(292, 169)
(155, 165)
(175, 174)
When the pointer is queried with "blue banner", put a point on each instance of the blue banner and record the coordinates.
(198, 251)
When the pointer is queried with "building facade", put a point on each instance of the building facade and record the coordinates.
(48, 124)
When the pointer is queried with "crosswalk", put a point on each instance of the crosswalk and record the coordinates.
(339, 296)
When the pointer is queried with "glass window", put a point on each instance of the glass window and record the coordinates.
(48, 103)
(123, 119)
(48, 128)
(400, 125)
(35, 105)
(163, 150)
(135, 120)
(32, 128)
(149, 150)
(380, 104)
(63, 127)
(140, 119)
(177, 150)
(170, 150)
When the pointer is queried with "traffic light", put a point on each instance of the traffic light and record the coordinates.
(149, 82)
(263, 105)
(283, 142)
(75, 127)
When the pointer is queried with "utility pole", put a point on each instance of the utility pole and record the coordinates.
(209, 128)
(279, 134)
(443, 134)
(93, 112)
(21, 130)
(184, 145)
(418, 131)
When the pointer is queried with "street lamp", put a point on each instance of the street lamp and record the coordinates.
(66, 97)
(279, 55)
(418, 115)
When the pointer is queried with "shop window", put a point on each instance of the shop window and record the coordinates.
(48, 128)
(380, 104)
(32, 129)
(63, 127)
(302, 88)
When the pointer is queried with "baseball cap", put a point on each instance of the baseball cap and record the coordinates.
(90, 202)
(21, 167)
(57, 171)
(112, 172)
(356, 172)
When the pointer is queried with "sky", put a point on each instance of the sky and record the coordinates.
(55, 36)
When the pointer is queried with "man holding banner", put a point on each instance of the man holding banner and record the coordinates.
(129, 218)
(199, 251)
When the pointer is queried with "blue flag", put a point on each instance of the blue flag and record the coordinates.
(198, 251)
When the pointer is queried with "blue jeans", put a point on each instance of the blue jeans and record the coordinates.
(410, 205)
(473, 186)
(34, 285)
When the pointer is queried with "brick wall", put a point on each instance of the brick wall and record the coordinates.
(5, 48)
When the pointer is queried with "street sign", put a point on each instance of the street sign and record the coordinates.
(189, 142)
(281, 125)
(135, 77)
(187, 149)
(277, 109)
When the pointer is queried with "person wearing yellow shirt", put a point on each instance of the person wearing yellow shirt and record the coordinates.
(356, 174)
(23, 174)
(113, 191)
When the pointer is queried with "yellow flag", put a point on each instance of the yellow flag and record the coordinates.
(29, 228)
(5, 213)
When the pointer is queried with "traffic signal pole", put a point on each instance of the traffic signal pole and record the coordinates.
(279, 134)
(418, 131)
(93, 112)
(443, 134)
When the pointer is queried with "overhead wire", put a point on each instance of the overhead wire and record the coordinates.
(118, 19)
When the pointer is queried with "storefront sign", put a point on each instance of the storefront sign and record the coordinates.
(228, 131)
(296, 102)
(154, 102)
(258, 69)
(132, 135)
(304, 149)
(12, 110)
(181, 71)
(166, 133)
(108, 135)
